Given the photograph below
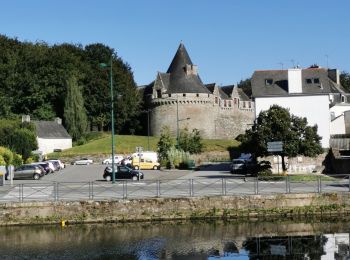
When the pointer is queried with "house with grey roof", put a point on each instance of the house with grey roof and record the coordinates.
(179, 99)
(51, 135)
(314, 93)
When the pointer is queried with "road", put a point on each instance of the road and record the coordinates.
(80, 182)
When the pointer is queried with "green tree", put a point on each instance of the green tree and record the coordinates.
(190, 142)
(277, 124)
(246, 86)
(23, 142)
(345, 80)
(164, 144)
(74, 111)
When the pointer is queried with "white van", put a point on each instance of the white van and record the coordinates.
(152, 156)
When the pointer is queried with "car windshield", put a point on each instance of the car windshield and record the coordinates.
(238, 161)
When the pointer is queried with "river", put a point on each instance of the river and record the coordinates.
(280, 239)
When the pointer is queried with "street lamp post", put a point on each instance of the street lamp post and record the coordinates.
(104, 65)
(148, 128)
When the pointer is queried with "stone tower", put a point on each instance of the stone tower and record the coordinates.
(179, 99)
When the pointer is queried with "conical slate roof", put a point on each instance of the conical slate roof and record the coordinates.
(179, 80)
(180, 60)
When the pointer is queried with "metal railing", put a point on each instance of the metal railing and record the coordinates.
(125, 189)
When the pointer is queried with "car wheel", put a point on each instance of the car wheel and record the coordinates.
(136, 167)
(74, 163)
(88, 163)
(134, 178)
(108, 178)
(155, 167)
(36, 176)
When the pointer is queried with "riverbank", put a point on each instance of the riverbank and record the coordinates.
(217, 207)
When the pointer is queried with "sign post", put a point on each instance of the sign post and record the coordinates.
(273, 147)
(139, 150)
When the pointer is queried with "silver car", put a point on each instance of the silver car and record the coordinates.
(29, 171)
(83, 161)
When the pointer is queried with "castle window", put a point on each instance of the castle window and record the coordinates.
(268, 82)
(216, 100)
(224, 103)
(197, 95)
(243, 104)
(159, 93)
(316, 80)
(235, 101)
(229, 103)
(342, 99)
(169, 95)
(308, 81)
(184, 95)
(250, 104)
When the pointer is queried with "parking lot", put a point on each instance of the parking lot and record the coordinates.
(94, 172)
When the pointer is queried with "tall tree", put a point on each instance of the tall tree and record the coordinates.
(345, 80)
(74, 111)
(246, 86)
(277, 124)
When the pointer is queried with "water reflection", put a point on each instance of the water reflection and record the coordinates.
(180, 240)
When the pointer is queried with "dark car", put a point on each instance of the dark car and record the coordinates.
(45, 165)
(122, 172)
(29, 171)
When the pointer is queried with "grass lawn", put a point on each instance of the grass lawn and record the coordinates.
(126, 144)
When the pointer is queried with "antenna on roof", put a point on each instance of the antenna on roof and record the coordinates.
(293, 62)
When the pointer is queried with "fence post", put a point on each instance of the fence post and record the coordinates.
(91, 190)
(318, 184)
(191, 187)
(20, 189)
(125, 189)
(223, 186)
(57, 191)
(287, 182)
(256, 186)
(158, 188)
(349, 182)
(54, 191)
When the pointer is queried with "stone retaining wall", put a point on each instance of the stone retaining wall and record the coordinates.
(174, 208)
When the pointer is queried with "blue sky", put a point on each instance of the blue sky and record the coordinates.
(227, 39)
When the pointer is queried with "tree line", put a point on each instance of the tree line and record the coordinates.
(65, 80)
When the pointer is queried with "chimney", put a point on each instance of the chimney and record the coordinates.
(334, 75)
(294, 81)
(58, 120)
(191, 69)
(25, 118)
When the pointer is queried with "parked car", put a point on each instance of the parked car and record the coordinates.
(117, 160)
(83, 161)
(45, 165)
(122, 172)
(52, 167)
(144, 164)
(29, 171)
(241, 166)
(61, 164)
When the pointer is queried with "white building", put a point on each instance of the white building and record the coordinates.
(51, 135)
(314, 93)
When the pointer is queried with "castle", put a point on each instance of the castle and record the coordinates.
(178, 99)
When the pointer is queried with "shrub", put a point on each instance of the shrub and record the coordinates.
(177, 158)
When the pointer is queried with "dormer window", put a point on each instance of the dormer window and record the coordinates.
(343, 99)
(159, 93)
(268, 82)
(197, 95)
(316, 81)
(308, 81)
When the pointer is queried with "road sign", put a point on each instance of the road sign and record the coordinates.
(275, 146)
(139, 149)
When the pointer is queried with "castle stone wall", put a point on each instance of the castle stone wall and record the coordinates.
(213, 121)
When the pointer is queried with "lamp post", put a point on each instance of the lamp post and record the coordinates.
(148, 128)
(104, 65)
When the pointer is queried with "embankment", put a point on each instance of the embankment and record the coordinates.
(221, 207)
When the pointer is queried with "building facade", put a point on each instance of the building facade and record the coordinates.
(179, 99)
(314, 93)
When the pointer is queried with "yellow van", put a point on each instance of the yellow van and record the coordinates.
(144, 164)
